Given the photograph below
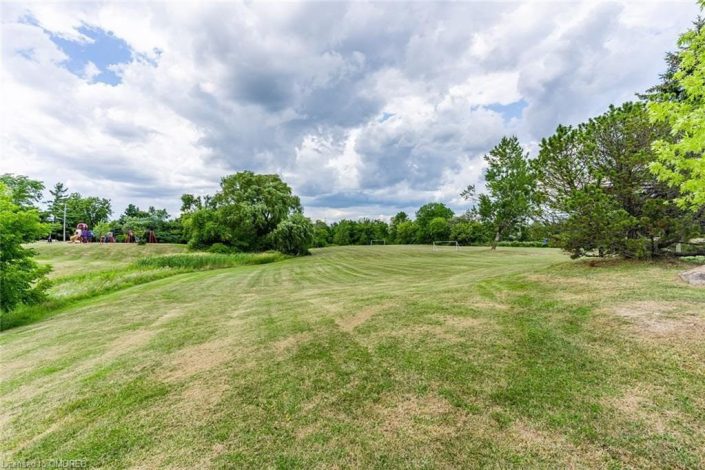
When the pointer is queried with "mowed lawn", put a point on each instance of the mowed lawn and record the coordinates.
(378, 356)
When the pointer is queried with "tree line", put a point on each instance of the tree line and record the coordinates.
(94, 211)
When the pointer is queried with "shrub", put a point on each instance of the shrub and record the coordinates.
(294, 235)
(468, 232)
(220, 248)
(20, 276)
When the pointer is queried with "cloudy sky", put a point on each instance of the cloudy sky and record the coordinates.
(364, 108)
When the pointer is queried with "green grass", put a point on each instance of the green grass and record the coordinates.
(112, 267)
(70, 258)
(392, 356)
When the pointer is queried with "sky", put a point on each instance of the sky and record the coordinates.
(365, 109)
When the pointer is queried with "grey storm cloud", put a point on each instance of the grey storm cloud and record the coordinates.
(357, 104)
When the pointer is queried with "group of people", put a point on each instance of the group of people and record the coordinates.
(83, 234)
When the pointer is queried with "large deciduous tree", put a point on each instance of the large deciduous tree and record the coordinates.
(242, 214)
(439, 229)
(511, 187)
(467, 230)
(90, 210)
(680, 103)
(321, 234)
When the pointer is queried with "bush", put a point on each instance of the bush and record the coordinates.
(294, 235)
(220, 248)
(468, 232)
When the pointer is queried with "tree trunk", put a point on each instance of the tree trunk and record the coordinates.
(496, 240)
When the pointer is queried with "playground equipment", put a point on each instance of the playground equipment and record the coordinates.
(107, 238)
(82, 234)
(151, 237)
(130, 237)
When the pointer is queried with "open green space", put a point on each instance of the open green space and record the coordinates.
(377, 356)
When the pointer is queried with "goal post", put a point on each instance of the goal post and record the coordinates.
(441, 244)
(380, 241)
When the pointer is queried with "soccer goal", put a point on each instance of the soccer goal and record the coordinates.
(446, 244)
(378, 242)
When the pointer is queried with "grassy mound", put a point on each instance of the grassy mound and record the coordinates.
(136, 266)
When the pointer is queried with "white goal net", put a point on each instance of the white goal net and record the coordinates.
(446, 245)
(378, 242)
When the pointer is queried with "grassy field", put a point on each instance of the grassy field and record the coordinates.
(84, 272)
(392, 356)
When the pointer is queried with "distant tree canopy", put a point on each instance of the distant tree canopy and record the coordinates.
(426, 215)
(243, 214)
(139, 222)
(23, 191)
(90, 210)
(357, 232)
(466, 229)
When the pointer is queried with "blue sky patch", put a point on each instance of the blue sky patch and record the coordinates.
(26, 53)
(385, 116)
(104, 49)
(509, 111)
